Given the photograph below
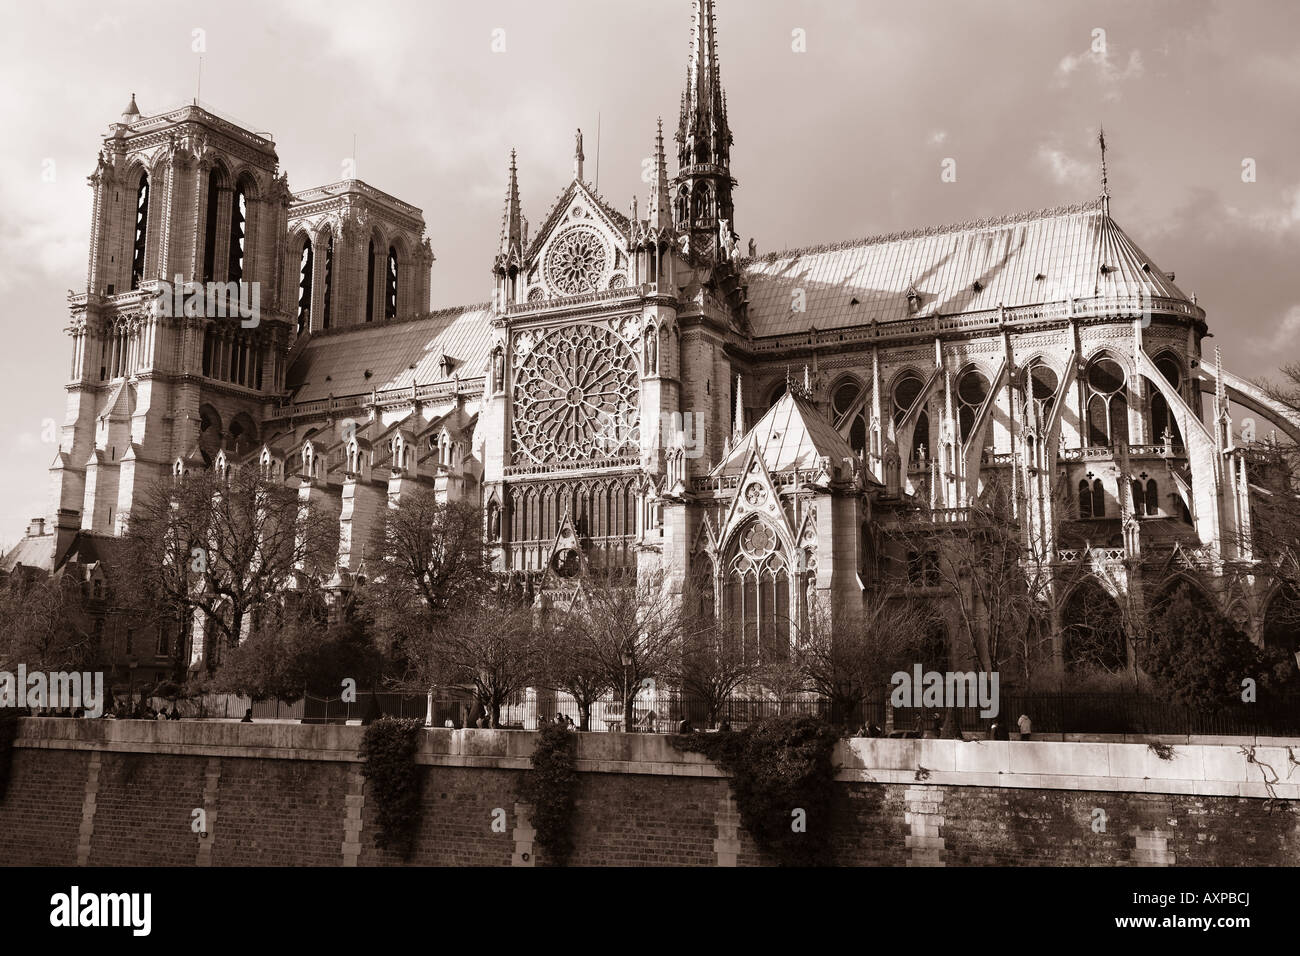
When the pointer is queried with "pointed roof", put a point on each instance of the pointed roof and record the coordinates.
(792, 435)
(702, 133)
(617, 220)
(660, 209)
(512, 229)
(1031, 258)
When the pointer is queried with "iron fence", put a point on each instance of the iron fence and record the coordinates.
(1095, 713)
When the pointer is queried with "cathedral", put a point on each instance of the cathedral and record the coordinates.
(641, 391)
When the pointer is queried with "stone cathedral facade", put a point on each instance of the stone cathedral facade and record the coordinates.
(641, 391)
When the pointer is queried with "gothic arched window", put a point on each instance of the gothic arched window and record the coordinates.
(238, 222)
(141, 230)
(370, 282)
(1040, 388)
(1153, 497)
(390, 289)
(757, 595)
(972, 391)
(1085, 499)
(845, 399)
(210, 227)
(329, 283)
(305, 266)
(1162, 418)
(1107, 404)
(1098, 499)
(906, 392)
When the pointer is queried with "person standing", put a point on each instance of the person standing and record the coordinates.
(1026, 726)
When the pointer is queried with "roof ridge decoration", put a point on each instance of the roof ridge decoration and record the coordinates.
(989, 222)
(402, 320)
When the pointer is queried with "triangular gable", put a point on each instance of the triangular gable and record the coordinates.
(706, 539)
(614, 221)
(791, 435)
(756, 494)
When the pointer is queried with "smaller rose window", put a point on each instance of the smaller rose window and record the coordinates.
(577, 262)
(759, 540)
(755, 493)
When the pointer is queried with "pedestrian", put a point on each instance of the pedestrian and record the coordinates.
(174, 714)
(1026, 726)
(248, 716)
(724, 727)
(875, 731)
(684, 726)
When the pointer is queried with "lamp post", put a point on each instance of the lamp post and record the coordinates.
(627, 704)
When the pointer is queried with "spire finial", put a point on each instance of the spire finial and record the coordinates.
(740, 409)
(577, 156)
(1105, 186)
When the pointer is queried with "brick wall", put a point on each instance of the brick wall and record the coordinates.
(126, 792)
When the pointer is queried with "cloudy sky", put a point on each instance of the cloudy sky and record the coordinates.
(843, 139)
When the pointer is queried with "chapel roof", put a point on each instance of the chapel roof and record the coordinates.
(791, 435)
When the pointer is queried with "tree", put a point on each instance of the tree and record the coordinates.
(489, 643)
(43, 625)
(298, 653)
(1197, 658)
(849, 656)
(226, 545)
(710, 663)
(432, 560)
(622, 630)
(568, 664)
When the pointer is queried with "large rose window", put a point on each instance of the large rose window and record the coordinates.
(577, 261)
(575, 396)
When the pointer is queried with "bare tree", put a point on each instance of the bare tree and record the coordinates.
(43, 625)
(568, 663)
(225, 545)
(432, 560)
(849, 656)
(491, 644)
(624, 629)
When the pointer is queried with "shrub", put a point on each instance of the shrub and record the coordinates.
(388, 754)
(551, 789)
(778, 766)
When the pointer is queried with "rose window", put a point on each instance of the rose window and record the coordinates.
(759, 540)
(577, 261)
(573, 390)
(755, 493)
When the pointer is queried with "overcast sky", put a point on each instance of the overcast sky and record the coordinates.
(843, 140)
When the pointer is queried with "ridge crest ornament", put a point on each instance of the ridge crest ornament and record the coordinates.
(568, 388)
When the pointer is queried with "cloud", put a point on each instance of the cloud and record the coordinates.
(938, 137)
(1063, 168)
(1098, 61)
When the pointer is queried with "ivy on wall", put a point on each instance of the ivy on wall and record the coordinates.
(388, 763)
(783, 781)
(551, 789)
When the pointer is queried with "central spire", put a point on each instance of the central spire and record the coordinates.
(702, 207)
(702, 134)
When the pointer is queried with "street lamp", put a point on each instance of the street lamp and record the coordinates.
(627, 705)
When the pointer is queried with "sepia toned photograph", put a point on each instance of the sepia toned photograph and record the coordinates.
(650, 433)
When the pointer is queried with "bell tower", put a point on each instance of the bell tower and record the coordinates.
(702, 206)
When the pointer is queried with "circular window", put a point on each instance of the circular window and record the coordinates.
(566, 563)
(755, 493)
(578, 261)
(1106, 376)
(759, 540)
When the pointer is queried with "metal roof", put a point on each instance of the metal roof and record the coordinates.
(792, 435)
(1044, 256)
(397, 354)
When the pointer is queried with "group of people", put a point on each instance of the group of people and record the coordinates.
(933, 726)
